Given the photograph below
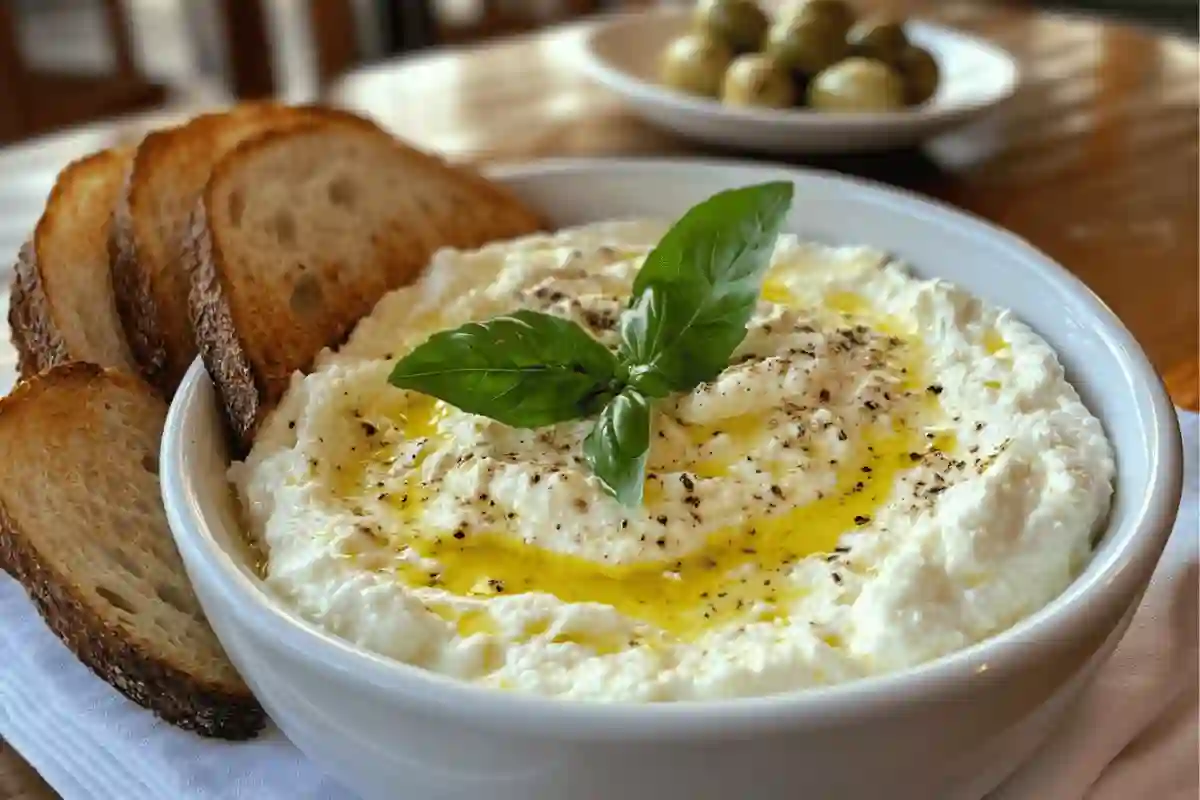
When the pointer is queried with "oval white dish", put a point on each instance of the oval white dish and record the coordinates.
(622, 52)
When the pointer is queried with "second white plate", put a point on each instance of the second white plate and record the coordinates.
(622, 54)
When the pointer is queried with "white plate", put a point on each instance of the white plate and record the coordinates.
(622, 52)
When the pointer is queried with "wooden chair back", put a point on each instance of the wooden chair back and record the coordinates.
(34, 101)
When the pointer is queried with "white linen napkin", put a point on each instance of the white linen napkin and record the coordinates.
(1133, 735)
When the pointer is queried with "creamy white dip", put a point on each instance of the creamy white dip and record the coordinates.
(888, 471)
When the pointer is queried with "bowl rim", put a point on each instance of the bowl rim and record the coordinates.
(1122, 575)
(617, 78)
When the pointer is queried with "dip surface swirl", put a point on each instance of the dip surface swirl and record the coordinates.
(889, 470)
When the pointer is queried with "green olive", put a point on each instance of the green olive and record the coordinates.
(881, 39)
(756, 80)
(857, 84)
(921, 75)
(805, 44)
(836, 13)
(695, 64)
(740, 24)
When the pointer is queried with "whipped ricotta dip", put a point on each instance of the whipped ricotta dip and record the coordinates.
(889, 470)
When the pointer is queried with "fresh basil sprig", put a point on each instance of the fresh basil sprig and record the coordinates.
(524, 369)
(617, 447)
(697, 289)
(691, 301)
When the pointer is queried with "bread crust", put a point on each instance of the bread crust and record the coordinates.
(132, 291)
(249, 388)
(120, 657)
(36, 333)
(153, 314)
(220, 345)
(161, 345)
(168, 691)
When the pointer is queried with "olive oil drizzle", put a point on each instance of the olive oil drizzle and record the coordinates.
(741, 574)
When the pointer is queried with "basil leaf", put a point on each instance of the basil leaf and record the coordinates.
(697, 289)
(616, 448)
(524, 369)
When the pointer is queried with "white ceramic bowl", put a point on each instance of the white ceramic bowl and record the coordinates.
(622, 54)
(949, 729)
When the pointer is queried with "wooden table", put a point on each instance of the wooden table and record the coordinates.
(1095, 160)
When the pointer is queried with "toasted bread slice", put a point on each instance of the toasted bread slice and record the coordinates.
(300, 232)
(82, 527)
(61, 308)
(150, 225)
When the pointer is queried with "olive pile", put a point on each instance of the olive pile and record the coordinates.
(815, 54)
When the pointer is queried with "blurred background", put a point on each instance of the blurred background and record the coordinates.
(66, 62)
